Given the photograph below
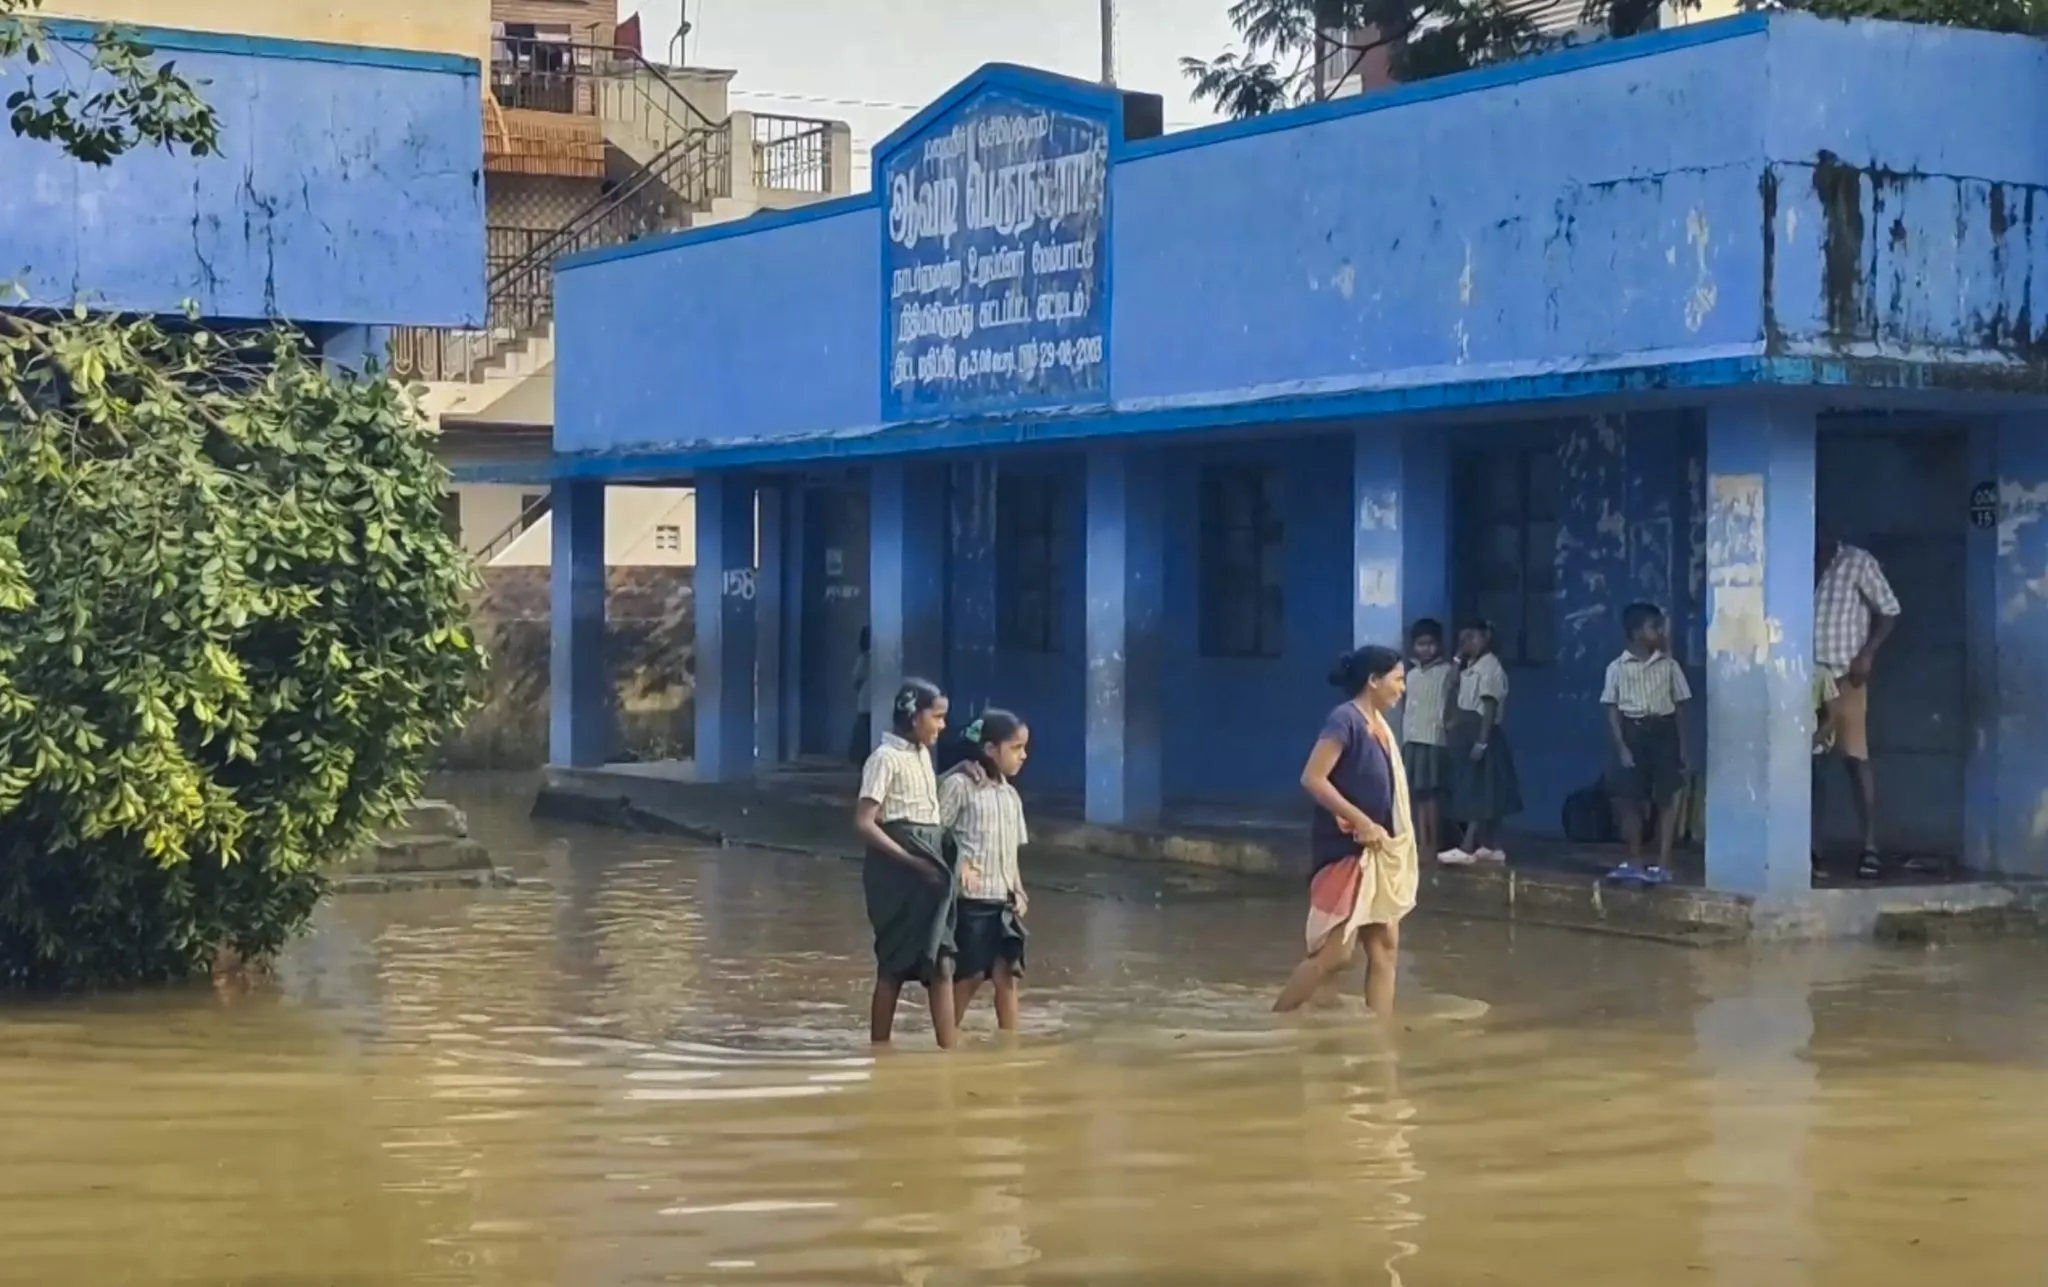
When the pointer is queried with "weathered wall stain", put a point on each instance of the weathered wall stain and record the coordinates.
(1910, 262)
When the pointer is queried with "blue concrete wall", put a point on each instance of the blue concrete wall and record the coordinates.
(744, 335)
(1902, 209)
(1782, 186)
(349, 190)
(1605, 215)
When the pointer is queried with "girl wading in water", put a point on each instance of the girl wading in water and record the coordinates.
(985, 818)
(1362, 839)
(907, 880)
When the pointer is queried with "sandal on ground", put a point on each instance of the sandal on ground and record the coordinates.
(1868, 867)
(1630, 874)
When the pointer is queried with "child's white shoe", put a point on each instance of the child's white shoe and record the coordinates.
(1490, 855)
(1455, 858)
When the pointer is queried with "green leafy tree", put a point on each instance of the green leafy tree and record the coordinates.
(1298, 51)
(1991, 15)
(131, 102)
(232, 623)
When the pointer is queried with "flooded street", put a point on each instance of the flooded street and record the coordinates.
(655, 1072)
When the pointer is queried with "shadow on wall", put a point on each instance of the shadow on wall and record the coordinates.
(650, 632)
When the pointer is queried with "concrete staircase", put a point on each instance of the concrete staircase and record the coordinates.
(430, 850)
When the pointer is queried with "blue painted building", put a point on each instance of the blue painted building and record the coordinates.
(347, 197)
(1135, 434)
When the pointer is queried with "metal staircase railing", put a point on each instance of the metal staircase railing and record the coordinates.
(691, 169)
(515, 529)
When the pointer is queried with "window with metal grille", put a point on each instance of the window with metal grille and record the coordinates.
(1504, 550)
(1028, 579)
(1242, 561)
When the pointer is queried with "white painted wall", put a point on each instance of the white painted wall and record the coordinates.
(643, 527)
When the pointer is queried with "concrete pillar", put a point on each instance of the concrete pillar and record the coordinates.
(839, 177)
(2007, 786)
(906, 580)
(579, 674)
(795, 587)
(1400, 535)
(726, 588)
(771, 637)
(1126, 596)
(971, 587)
(1760, 499)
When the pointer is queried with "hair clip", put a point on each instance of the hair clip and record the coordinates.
(973, 732)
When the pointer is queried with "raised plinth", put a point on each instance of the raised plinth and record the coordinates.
(431, 849)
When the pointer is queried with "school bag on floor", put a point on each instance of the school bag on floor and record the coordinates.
(1589, 816)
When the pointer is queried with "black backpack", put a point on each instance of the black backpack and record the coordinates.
(1589, 816)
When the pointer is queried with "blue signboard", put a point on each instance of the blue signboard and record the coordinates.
(995, 261)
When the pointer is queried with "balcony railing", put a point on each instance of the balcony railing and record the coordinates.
(792, 154)
(689, 174)
(690, 162)
(545, 76)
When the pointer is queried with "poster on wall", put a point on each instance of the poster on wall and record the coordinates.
(995, 261)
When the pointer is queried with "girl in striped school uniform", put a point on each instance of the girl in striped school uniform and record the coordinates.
(908, 883)
(1484, 787)
(1425, 713)
(984, 818)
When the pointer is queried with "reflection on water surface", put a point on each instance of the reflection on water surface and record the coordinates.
(655, 1072)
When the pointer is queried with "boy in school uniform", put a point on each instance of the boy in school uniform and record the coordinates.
(1645, 696)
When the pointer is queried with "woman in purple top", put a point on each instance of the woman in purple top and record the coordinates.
(1361, 839)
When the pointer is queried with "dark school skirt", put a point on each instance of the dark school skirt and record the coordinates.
(1659, 771)
(912, 916)
(1427, 765)
(1482, 790)
(988, 932)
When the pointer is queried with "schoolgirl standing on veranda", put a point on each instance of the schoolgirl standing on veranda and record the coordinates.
(1484, 787)
(984, 818)
(906, 878)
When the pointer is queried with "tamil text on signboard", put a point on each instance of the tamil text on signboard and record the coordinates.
(994, 226)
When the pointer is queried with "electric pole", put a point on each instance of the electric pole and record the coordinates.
(1109, 42)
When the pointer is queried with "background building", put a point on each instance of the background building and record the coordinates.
(1624, 322)
(588, 144)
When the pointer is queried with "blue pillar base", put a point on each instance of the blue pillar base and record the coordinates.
(1126, 593)
(580, 702)
(726, 590)
(1760, 711)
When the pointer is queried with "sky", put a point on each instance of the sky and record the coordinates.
(872, 63)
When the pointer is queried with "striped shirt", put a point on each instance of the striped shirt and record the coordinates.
(1645, 687)
(987, 822)
(1428, 701)
(898, 777)
(1852, 587)
(1481, 679)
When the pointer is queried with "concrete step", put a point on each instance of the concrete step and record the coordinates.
(398, 855)
(436, 818)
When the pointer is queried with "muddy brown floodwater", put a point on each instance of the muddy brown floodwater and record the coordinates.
(654, 1072)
